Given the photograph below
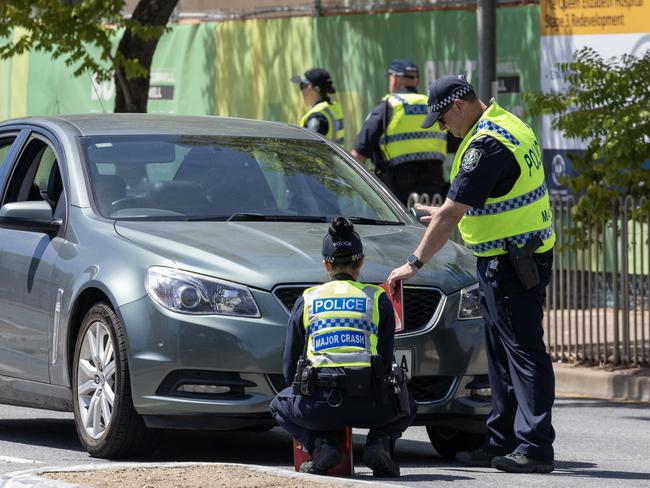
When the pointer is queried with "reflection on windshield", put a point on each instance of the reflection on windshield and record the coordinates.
(217, 178)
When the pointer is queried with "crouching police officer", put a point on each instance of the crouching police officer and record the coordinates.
(338, 355)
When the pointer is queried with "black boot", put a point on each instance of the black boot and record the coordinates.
(377, 456)
(325, 455)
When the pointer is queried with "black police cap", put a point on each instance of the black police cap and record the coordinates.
(315, 76)
(342, 244)
(441, 93)
(403, 67)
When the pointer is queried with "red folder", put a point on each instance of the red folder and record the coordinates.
(343, 468)
(397, 299)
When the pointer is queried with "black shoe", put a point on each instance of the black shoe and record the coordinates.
(325, 456)
(516, 462)
(377, 457)
(479, 458)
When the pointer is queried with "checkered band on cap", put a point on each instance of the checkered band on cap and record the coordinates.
(513, 203)
(352, 323)
(459, 93)
(519, 240)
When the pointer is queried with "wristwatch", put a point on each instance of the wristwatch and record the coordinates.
(415, 261)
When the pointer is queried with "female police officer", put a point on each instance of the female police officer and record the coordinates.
(340, 338)
(324, 116)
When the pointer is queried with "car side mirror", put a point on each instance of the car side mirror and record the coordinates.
(31, 216)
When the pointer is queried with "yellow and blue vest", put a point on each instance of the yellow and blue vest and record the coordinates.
(525, 211)
(341, 320)
(404, 140)
(333, 112)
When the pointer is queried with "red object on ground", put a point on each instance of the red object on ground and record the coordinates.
(344, 468)
(397, 300)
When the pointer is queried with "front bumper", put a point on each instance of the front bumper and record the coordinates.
(240, 359)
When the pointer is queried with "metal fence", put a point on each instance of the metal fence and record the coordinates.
(598, 301)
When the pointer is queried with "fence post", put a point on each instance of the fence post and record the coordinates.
(615, 211)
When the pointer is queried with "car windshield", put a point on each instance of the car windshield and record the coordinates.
(219, 178)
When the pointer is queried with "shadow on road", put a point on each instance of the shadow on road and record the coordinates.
(586, 470)
(52, 433)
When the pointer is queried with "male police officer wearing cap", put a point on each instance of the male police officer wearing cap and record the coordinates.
(499, 200)
(340, 339)
(407, 158)
(325, 116)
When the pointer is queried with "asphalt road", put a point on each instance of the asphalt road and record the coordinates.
(599, 444)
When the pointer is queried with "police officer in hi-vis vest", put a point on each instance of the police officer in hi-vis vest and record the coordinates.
(407, 158)
(325, 116)
(338, 355)
(498, 199)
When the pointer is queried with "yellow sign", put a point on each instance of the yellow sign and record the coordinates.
(576, 17)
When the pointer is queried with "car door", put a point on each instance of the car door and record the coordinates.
(27, 261)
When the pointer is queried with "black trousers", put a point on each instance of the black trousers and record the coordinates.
(326, 411)
(520, 370)
(415, 176)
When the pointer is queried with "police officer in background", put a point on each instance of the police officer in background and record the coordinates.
(325, 116)
(407, 158)
(340, 338)
(499, 200)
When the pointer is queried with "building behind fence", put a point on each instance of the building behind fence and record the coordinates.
(598, 301)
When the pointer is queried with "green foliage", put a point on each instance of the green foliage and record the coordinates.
(67, 28)
(607, 105)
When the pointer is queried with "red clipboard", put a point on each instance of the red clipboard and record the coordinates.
(397, 299)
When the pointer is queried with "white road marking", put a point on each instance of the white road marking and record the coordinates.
(9, 459)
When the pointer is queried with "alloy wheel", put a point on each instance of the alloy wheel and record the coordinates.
(96, 380)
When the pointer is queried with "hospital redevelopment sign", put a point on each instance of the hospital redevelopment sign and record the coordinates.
(611, 28)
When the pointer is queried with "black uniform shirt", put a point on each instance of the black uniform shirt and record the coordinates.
(295, 341)
(367, 140)
(318, 123)
(492, 175)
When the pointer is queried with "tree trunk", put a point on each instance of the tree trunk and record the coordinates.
(132, 95)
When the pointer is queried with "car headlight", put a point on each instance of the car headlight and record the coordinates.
(470, 304)
(190, 293)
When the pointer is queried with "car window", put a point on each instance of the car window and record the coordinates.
(5, 147)
(37, 175)
(183, 177)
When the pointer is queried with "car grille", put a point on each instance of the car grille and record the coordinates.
(420, 304)
(430, 388)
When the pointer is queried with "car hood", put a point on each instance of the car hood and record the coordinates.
(264, 254)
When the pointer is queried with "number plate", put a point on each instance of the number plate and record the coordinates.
(404, 358)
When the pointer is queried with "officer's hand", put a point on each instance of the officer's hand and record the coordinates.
(427, 210)
(404, 272)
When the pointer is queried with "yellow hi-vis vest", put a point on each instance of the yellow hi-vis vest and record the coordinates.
(333, 112)
(404, 140)
(523, 212)
(341, 320)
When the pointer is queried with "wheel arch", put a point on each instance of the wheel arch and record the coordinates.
(82, 304)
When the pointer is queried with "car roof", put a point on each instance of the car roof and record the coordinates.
(134, 124)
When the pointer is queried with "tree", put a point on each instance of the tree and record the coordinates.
(66, 28)
(607, 105)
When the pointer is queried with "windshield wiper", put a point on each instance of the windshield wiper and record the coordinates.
(275, 218)
(366, 220)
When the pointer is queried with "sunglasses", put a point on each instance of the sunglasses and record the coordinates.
(304, 85)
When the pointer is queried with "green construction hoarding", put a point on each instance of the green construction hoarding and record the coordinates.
(242, 67)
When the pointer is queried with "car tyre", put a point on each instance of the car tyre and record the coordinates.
(107, 423)
(447, 441)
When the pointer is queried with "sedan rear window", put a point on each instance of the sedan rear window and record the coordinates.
(217, 178)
